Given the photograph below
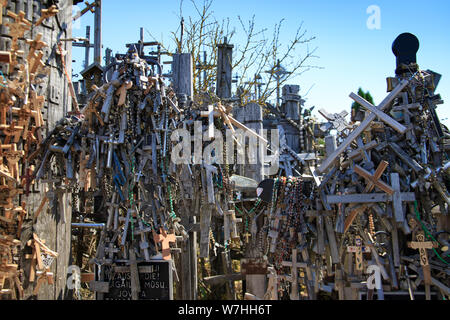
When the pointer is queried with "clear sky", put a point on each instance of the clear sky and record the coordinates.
(351, 55)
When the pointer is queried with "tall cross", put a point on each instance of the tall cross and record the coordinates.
(165, 240)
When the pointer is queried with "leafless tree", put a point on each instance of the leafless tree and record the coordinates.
(257, 58)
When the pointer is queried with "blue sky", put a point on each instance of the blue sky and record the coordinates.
(350, 54)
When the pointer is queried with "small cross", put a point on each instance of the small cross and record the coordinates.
(358, 250)
(47, 13)
(337, 119)
(373, 180)
(165, 240)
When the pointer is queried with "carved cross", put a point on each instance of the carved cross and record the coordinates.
(110, 249)
(422, 246)
(293, 278)
(165, 240)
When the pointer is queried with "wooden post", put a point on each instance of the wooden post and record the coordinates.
(224, 69)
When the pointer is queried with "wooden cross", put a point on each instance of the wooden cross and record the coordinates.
(35, 45)
(422, 246)
(293, 278)
(210, 115)
(230, 225)
(358, 250)
(379, 113)
(20, 25)
(273, 233)
(37, 103)
(135, 283)
(111, 250)
(373, 180)
(363, 126)
(362, 152)
(14, 156)
(47, 13)
(3, 3)
(165, 240)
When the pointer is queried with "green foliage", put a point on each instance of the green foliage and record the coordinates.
(365, 95)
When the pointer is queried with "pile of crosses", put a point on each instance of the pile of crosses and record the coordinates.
(115, 158)
(21, 126)
(385, 189)
(374, 215)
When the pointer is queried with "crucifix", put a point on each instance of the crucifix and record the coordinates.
(293, 278)
(165, 240)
